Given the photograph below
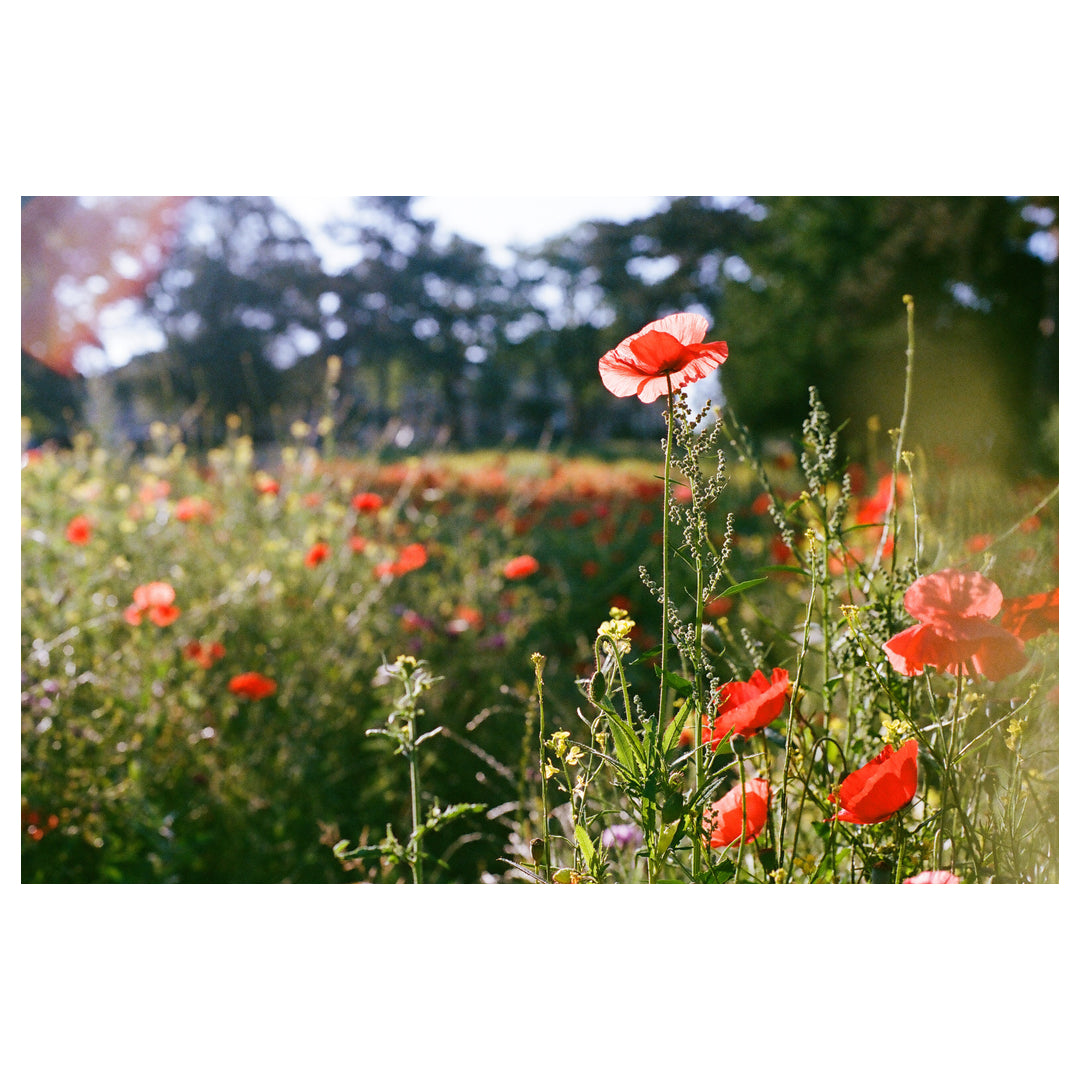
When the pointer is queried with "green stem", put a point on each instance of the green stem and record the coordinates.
(662, 717)
(414, 793)
(909, 303)
(538, 664)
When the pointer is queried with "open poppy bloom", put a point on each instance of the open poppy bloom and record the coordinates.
(724, 823)
(1029, 616)
(876, 791)
(317, 553)
(933, 877)
(673, 347)
(155, 601)
(79, 530)
(746, 707)
(520, 566)
(252, 685)
(955, 633)
(367, 502)
(411, 557)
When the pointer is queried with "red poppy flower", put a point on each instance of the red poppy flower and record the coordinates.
(933, 877)
(367, 502)
(672, 347)
(872, 511)
(411, 557)
(153, 490)
(1029, 616)
(876, 791)
(252, 685)
(955, 633)
(520, 566)
(266, 485)
(317, 553)
(193, 508)
(79, 530)
(204, 655)
(746, 707)
(724, 823)
(155, 601)
(357, 543)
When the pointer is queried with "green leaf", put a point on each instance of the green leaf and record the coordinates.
(785, 569)
(677, 682)
(667, 834)
(742, 586)
(628, 748)
(674, 729)
(585, 845)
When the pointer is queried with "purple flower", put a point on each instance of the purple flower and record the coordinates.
(623, 835)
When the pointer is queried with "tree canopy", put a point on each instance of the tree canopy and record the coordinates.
(430, 331)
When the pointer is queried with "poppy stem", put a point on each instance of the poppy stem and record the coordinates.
(664, 635)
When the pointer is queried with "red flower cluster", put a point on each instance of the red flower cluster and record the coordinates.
(252, 686)
(411, 557)
(520, 566)
(876, 791)
(955, 634)
(747, 707)
(367, 502)
(79, 530)
(204, 655)
(155, 601)
(193, 508)
(724, 823)
(34, 828)
(670, 347)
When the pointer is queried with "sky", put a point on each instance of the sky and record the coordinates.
(496, 221)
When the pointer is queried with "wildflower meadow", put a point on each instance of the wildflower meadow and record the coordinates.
(716, 665)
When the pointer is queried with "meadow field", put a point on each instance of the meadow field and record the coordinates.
(288, 664)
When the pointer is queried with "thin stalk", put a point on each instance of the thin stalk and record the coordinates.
(538, 665)
(909, 303)
(742, 832)
(662, 717)
(698, 858)
(414, 793)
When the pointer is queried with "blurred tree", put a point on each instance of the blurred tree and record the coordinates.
(821, 303)
(417, 315)
(238, 303)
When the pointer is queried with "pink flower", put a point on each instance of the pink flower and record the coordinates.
(155, 600)
(667, 348)
(954, 633)
(193, 508)
(933, 877)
